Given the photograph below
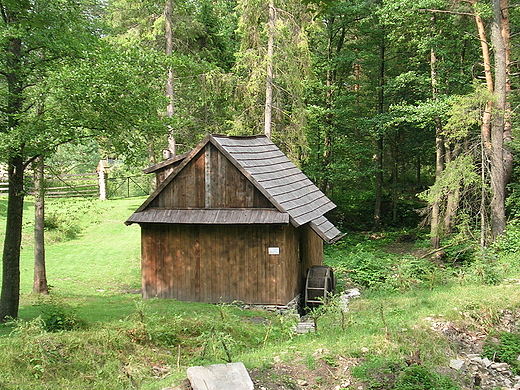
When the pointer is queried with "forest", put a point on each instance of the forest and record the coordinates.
(403, 114)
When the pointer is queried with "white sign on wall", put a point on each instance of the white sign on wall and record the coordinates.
(273, 250)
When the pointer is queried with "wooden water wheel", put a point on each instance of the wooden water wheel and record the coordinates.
(318, 284)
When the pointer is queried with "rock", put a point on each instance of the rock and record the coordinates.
(304, 327)
(456, 364)
(220, 376)
(486, 362)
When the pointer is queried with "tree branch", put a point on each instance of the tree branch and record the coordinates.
(446, 12)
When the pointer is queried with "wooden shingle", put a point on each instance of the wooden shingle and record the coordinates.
(282, 181)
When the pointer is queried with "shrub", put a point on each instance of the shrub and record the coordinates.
(421, 378)
(509, 242)
(57, 315)
(64, 226)
(505, 348)
(394, 375)
(485, 271)
(366, 269)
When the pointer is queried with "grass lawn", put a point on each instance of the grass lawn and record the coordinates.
(120, 341)
(91, 255)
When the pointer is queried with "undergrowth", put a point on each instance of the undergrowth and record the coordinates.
(147, 346)
(379, 374)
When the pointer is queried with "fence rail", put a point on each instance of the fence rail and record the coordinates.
(87, 185)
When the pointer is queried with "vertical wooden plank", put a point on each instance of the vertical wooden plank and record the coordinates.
(159, 258)
(148, 264)
(260, 264)
(190, 179)
(195, 259)
(206, 255)
(218, 184)
(147, 253)
(292, 263)
(207, 176)
(176, 247)
(249, 192)
(226, 264)
(189, 285)
(169, 262)
(175, 270)
(248, 241)
(213, 254)
(241, 259)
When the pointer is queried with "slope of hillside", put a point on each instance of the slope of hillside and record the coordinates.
(417, 325)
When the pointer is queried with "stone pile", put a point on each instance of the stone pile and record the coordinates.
(486, 374)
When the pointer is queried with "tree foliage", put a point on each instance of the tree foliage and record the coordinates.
(388, 106)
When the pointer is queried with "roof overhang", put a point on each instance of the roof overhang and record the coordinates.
(209, 216)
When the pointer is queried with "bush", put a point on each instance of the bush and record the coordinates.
(57, 315)
(485, 271)
(393, 375)
(421, 378)
(366, 269)
(505, 348)
(509, 242)
(63, 226)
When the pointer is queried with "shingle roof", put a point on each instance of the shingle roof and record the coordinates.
(210, 216)
(273, 174)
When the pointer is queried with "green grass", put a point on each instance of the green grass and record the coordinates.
(122, 341)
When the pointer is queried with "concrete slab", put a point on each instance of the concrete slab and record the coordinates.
(220, 377)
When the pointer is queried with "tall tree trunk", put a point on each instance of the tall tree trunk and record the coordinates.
(486, 60)
(485, 128)
(268, 110)
(40, 276)
(508, 137)
(453, 195)
(498, 220)
(379, 142)
(168, 16)
(395, 194)
(435, 225)
(10, 295)
(10, 298)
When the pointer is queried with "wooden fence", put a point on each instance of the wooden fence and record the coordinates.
(87, 185)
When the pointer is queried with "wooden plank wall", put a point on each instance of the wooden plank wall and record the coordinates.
(220, 263)
(210, 180)
(311, 247)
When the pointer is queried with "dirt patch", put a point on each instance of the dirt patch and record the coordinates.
(299, 376)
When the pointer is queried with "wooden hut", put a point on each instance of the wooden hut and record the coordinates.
(232, 220)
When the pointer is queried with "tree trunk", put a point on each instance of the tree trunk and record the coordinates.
(486, 59)
(508, 137)
(40, 277)
(268, 110)
(379, 143)
(498, 220)
(168, 14)
(453, 195)
(10, 298)
(10, 295)
(485, 128)
(435, 224)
